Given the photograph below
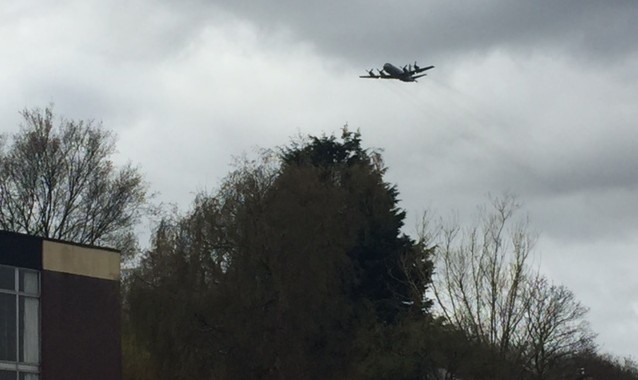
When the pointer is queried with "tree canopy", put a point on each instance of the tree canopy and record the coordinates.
(59, 181)
(296, 268)
(288, 268)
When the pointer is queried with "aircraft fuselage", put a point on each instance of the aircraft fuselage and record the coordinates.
(398, 73)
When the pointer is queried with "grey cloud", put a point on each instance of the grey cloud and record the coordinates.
(610, 164)
(369, 31)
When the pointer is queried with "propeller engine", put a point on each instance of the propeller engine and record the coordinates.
(416, 67)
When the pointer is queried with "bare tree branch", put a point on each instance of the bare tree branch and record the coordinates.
(483, 284)
(58, 181)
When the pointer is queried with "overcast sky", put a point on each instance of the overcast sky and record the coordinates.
(533, 97)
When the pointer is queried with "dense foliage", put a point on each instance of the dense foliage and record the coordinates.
(296, 268)
(292, 270)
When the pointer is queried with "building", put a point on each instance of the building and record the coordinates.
(59, 310)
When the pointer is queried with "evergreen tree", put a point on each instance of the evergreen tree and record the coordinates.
(295, 270)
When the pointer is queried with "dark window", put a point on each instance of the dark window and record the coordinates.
(19, 323)
(7, 375)
(8, 327)
(7, 278)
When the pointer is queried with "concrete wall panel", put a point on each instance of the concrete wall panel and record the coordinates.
(80, 260)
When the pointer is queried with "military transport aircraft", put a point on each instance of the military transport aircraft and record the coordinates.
(406, 74)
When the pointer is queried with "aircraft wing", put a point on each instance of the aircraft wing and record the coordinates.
(382, 76)
(371, 75)
(422, 69)
(418, 76)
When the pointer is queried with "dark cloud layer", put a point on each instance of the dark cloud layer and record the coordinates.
(366, 31)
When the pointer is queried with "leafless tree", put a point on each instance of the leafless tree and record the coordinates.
(555, 326)
(481, 273)
(484, 284)
(59, 181)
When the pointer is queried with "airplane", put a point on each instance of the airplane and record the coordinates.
(406, 74)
